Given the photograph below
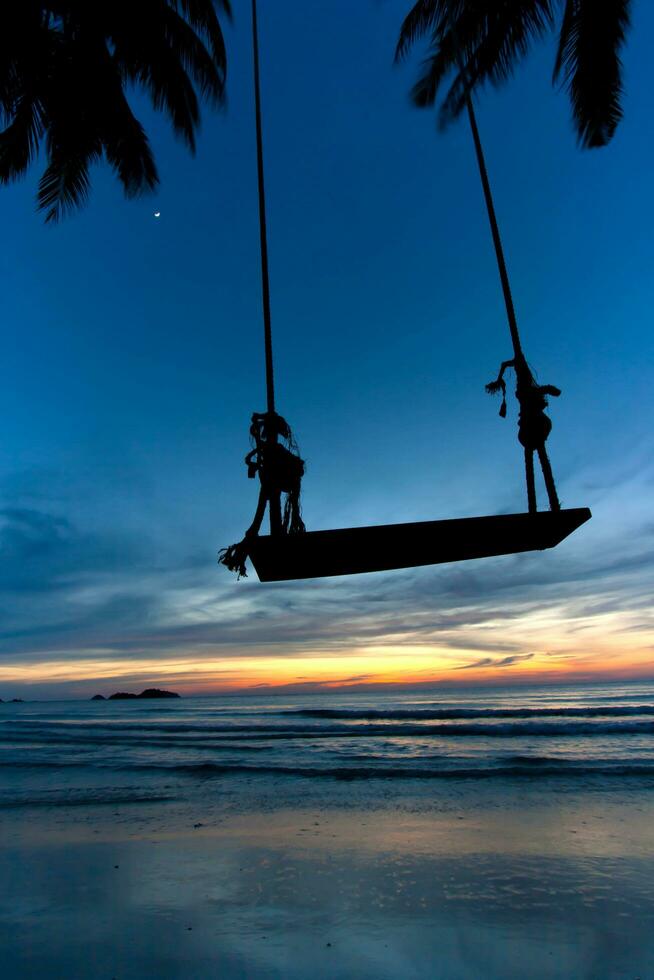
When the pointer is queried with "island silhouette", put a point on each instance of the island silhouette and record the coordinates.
(149, 693)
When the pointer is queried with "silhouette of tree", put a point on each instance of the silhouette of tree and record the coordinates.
(66, 69)
(482, 41)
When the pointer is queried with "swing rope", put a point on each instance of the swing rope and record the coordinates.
(533, 425)
(488, 194)
(263, 230)
(495, 231)
(278, 466)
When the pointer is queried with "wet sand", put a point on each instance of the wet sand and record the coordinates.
(283, 882)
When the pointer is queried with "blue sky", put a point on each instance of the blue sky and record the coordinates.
(133, 359)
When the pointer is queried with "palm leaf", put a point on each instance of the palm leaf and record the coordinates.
(126, 146)
(66, 185)
(451, 44)
(146, 45)
(507, 34)
(203, 18)
(19, 142)
(64, 69)
(425, 17)
(588, 61)
(492, 46)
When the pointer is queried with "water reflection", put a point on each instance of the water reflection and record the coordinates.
(298, 894)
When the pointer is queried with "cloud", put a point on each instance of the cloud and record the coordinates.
(71, 590)
(42, 551)
(310, 683)
(489, 662)
(62, 585)
(90, 600)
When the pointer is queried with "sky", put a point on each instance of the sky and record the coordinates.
(133, 358)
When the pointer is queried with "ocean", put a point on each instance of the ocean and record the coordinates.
(436, 836)
(58, 752)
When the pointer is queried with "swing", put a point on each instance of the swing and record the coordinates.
(291, 552)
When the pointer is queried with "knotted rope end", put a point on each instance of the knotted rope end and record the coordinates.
(234, 558)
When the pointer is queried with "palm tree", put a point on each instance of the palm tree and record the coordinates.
(482, 41)
(66, 69)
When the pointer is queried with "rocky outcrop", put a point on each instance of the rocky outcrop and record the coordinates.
(150, 692)
(154, 692)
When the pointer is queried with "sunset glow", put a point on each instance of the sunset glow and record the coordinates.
(602, 647)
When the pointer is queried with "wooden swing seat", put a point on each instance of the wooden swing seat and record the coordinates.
(353, 550)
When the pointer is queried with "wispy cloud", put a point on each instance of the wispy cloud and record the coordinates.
(73, 593)
(490, 662)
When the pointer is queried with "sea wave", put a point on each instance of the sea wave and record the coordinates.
(512, 767)
(92, 741)
(248, 733)
(554, 769)
(103, 798)
(451, 714)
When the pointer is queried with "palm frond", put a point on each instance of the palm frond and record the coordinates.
(478, 40)
(64, 69)
(19, 142)
(434, 69)
(452, 40)
(152, 45)
(456, 99)
(171, 91)
(588, 61)
(425, 17)
(202, 13)
(567, 36)
(203, 18)
(24, 56)
(66, 185)
(509, 32)
(491, 47)
(207, 69)
(126, 147)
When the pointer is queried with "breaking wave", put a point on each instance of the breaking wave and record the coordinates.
(452, 714)
(553, 768)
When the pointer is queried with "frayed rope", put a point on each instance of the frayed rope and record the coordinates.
(292, 521)
(493, 388)
(234, 557)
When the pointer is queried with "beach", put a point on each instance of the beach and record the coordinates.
(112, 872)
